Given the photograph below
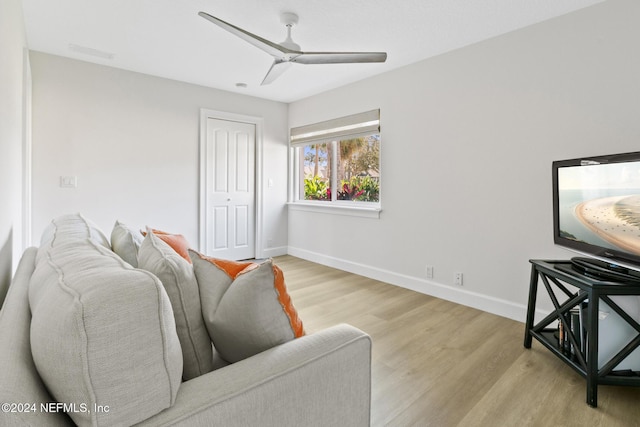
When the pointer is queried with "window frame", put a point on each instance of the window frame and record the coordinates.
(334, 206)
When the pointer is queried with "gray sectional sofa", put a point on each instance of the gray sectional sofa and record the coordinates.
(87, 339)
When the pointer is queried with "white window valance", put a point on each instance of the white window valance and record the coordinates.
(353, 126)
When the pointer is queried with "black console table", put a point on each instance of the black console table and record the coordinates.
(578, 346)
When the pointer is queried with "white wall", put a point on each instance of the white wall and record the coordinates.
(468, 140)
(12, 45)
(132, 140)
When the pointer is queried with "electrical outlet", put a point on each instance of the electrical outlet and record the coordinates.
(429, 271)
(457, 279)
(68, 181)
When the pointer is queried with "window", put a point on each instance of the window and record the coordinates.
(338, 162)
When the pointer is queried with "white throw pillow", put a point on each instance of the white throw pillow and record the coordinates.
(245, 305)
(177, 276)
(126, 242)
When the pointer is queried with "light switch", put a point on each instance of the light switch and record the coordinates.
(68, 181)
(270, 183)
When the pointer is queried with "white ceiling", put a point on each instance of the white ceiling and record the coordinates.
(167, 38)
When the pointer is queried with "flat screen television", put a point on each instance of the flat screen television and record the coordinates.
(596, 212)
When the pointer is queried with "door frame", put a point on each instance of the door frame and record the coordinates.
(258, 122)
(27, 112)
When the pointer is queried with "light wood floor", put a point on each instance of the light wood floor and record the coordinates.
(436, 363)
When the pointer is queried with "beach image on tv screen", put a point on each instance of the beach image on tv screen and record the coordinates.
(600, 205)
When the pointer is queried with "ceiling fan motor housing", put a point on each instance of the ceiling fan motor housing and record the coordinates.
(289, 19)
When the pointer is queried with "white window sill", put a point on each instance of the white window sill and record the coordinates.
(336, 209)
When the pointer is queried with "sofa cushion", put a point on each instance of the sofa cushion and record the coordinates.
(126, 242)
(246, 306)
(179, 280)
(102, 335)
(70, 227)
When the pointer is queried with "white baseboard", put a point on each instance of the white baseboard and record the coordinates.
(482, 302)
(274, 252)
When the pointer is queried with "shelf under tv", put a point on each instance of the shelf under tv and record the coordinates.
(555, 276)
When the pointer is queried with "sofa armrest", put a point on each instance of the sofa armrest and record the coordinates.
(19, 379)
(322, 379)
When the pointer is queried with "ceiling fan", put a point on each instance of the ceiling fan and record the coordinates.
(288, 52)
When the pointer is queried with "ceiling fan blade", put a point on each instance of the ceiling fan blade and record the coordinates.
(270, 47)
(339, 57)
(276, 70)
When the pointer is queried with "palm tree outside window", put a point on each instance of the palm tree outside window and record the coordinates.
(339, 160)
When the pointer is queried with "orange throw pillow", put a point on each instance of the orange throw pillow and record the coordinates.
(177, 242)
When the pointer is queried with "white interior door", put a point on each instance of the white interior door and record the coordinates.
(230, 214)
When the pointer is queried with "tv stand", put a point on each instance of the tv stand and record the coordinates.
(579, 346)
(603, 270)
